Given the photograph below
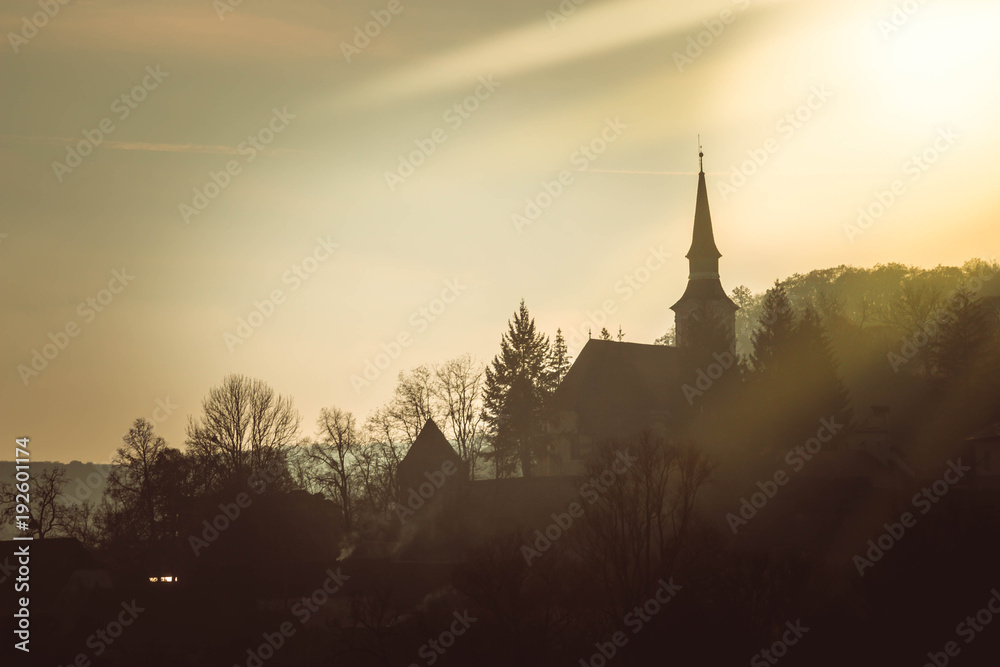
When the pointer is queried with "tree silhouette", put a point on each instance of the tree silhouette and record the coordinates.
(334, 459)
(457, 390)
(559, 360)
(132, 485)
(47, 513)
(816, 380)
(774, 333)
(963, 336)
(516, 391)
(245, 428)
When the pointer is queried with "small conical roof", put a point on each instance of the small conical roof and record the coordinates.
(703, 240)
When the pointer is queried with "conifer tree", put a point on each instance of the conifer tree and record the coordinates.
(962, 336)
(816, 379)
(774, 332)
(559, 360)
(517, 387)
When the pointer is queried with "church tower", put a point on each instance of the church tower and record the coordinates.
(704, 295)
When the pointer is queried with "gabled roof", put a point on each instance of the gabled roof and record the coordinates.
(430, 450)
(615, 386)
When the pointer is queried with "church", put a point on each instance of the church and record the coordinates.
(617, 391)
(613, 390)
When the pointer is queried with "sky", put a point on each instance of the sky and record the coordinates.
(301, 191)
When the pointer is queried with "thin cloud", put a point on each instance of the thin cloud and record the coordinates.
(208, 149)
(589, 31)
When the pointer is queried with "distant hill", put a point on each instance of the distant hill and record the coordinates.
(86, 482)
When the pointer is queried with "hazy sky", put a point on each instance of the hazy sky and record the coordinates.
(835, 99)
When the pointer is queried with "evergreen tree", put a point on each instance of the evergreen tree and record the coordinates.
(774, 333)
(816, 379)
(962, 337)
(559, 360)
(772, 416)
(517, 386)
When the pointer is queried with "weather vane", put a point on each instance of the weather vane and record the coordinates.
(701, 155)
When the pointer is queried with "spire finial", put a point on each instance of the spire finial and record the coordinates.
(701, 156)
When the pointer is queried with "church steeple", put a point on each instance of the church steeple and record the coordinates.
(704, 295)
(703, 257)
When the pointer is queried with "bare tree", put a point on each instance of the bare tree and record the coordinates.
(635, 527)
(376, 463)
(412, 403)
(458, 390)
(245, 428)
(334, 459)
(131, 483)
(81, 523)
(527, 602)
(46, 513)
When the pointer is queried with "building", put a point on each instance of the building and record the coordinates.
(704, 296)
(618, 389)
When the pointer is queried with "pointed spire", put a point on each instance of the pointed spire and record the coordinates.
(703, 255)
(704, 293)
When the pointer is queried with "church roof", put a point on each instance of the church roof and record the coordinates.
(614, 386)
(703, 239)
(430, 449)
(704, 290)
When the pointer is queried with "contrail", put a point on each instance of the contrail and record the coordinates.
(653, 173)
